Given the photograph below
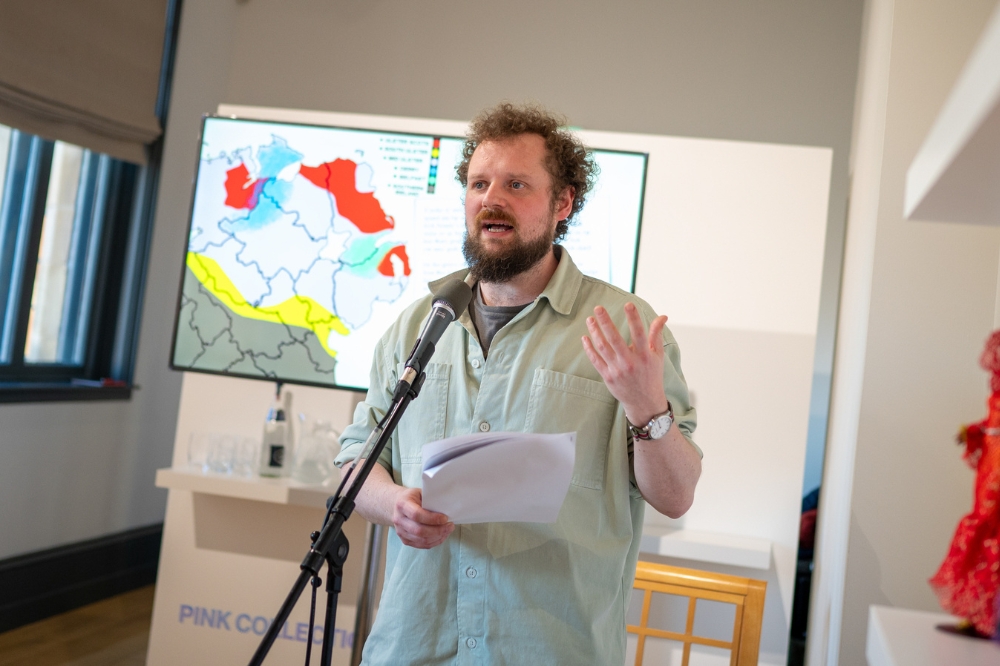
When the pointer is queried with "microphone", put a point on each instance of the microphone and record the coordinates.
(449, 304)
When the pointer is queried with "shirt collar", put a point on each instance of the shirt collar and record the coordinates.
(560, 292)
(564, 285)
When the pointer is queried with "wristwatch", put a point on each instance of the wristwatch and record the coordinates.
(656, 428)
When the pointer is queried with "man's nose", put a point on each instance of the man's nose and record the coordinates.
(493, 198)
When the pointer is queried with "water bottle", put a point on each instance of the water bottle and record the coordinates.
(275, 450)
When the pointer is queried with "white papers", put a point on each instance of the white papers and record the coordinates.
(498, 476)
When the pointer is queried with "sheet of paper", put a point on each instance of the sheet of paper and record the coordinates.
(498, 477)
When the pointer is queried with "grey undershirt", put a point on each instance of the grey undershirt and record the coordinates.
(488, 319)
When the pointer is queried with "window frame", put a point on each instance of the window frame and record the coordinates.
(102, 220)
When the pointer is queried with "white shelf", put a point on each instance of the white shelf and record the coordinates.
(278, 491)
(955, 176)
(728, 549)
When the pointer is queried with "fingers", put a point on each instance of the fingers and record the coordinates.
(636, 327)
(608, 342)
(654, 340)
(656, 334)
(422, 536)
(595, 358)
(597, 345)
(415, 525)
(413, 509)
(614, 343)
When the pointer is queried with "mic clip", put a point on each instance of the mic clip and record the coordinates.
(412, 387)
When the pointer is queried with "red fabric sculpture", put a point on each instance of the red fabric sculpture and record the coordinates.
(969, 577)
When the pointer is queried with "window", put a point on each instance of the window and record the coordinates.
(66, 217)
(75, 224)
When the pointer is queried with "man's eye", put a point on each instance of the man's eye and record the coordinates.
(517, 185)
(478, 185)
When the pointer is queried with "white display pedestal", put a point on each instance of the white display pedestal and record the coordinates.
(901, 637)
(231, 552)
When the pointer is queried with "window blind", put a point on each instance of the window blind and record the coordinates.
(83, 71)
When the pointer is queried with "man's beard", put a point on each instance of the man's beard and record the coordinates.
(504, 264)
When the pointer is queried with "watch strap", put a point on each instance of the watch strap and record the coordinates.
(643, 432)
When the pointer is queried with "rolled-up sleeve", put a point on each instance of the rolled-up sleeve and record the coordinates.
(369, 412)
(678, 394)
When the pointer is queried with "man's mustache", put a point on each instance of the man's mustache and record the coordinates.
(496, 214)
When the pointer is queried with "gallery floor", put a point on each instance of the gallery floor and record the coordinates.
(112, 632)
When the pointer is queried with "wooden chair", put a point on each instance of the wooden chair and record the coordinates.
(746, 594)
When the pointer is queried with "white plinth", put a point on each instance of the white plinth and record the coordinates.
(900, 637)
(231, 552)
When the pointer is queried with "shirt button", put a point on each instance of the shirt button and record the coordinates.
(475, 363)
(484, 427)
(471, 572)
(471, 642)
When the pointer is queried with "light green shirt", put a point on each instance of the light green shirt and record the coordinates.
(515, 593)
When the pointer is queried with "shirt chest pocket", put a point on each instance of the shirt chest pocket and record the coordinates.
(423, 421)
(565, 403)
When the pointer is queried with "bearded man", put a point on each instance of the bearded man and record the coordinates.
(541, 350)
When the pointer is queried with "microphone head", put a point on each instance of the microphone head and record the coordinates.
(456, 294)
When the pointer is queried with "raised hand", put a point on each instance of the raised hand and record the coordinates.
(632, 372)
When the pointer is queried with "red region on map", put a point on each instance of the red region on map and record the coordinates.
(241, 192)
(361, 208)
(385, 266)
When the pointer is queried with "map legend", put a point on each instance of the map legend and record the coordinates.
(433, 173)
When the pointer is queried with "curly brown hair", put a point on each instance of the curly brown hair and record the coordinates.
(569, 162)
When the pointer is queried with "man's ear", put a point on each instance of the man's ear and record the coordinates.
(564, 203)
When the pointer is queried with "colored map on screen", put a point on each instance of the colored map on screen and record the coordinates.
(306, 242)
(288, 256)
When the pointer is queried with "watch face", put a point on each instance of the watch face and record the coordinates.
(658, 427)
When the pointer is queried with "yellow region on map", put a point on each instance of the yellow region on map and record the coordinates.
(300, 311)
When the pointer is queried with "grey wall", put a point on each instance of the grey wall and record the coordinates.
(933, 294)
(761, 70)
(771, 70)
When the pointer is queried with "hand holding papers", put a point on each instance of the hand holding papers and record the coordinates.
(498, 477)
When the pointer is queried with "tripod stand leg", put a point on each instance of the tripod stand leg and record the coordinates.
(334, 579)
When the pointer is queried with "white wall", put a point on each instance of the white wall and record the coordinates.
(930, 306)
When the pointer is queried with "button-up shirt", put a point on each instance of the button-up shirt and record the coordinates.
(515, 593)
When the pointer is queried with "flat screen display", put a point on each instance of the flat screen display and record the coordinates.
(306, 242)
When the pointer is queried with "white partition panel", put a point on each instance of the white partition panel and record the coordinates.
(732, 251)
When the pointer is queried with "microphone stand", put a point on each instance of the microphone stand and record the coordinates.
(330, 544)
